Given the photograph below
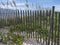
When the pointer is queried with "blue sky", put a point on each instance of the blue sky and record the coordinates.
(42, 3)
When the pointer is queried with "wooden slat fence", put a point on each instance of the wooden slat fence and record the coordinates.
(44, 25)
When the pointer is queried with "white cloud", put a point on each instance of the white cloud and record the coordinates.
(20, 4)
(57, 7)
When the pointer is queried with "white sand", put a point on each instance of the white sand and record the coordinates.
(26, 43)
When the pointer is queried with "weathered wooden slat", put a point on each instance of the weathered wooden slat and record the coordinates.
(58, 42)
(51, 23)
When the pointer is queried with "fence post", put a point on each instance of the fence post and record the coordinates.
(40, 24)
(58, 43)
(51, 26)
